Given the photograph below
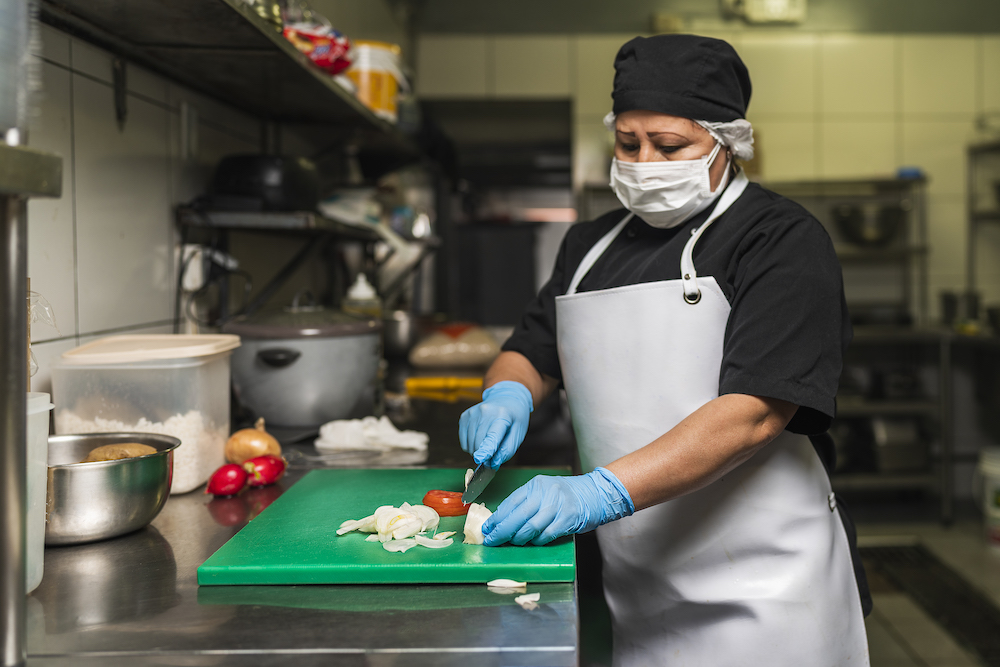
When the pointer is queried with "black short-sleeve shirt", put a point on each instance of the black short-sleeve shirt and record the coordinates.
(788, 327)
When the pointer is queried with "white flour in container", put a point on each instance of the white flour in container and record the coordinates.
(201, 451)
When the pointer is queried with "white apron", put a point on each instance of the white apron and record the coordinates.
(755, 568)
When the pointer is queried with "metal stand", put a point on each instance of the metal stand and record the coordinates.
(23, 173)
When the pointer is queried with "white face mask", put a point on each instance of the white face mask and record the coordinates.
(666, 193)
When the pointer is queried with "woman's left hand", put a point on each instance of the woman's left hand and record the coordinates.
(547, 508)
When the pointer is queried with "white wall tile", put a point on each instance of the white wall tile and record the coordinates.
(51, 251)
(782, 71)
(990, 82)
(857, 74)
(122, 210)
(45, 354)
(531, 67)
(593, 147)
(213, 113)
(857, 149)
(55, 45)
(451, 66)
(594, 72)
(90, 60)
(145, 83)
(938, 74)
(938, 148)
(786, 149)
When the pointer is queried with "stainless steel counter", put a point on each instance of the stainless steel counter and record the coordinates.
(134, 600)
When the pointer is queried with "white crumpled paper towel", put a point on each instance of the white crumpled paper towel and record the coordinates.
(368, 433)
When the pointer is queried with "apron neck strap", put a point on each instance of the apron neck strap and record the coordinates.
(595, 252)
(689, 277)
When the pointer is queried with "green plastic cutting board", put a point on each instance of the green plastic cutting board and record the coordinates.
(294, 541)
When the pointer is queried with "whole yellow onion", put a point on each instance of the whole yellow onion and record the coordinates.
(248, 443)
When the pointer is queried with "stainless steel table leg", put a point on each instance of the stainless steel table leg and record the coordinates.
(13, 425)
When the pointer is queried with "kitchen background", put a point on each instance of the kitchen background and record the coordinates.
(870, 93)
(854, 92)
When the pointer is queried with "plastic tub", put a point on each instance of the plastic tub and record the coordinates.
(378, 77)
(174, 385)
(37, 459)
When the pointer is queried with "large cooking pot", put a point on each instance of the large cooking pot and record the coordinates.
(303, 367)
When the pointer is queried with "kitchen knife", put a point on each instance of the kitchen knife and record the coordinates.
(479, 480)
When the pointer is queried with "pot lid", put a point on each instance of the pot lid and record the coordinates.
(308, 322)
(137, 348)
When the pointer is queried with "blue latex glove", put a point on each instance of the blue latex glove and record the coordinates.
(493, 430)
(547, 508)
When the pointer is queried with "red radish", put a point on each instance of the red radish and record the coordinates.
(264, 470)
(227, 480)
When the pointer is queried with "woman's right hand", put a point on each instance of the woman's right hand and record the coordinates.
(493, 430)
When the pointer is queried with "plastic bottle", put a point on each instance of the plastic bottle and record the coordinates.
(362, 299)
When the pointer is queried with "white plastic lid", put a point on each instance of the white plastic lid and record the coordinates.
(149, 347)
(361, 289)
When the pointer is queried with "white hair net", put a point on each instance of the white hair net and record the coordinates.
(736, 135)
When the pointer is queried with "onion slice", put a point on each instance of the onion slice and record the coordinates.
(399, 545)
(444, 535)
(373, 538)
(478, 514)
(528, 601)
(507, 583)
(432, 543)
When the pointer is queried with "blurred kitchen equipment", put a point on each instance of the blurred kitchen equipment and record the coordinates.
(949, 308)
(993, 316)
(898, 446)
(37, 454)
(456, 346)
(969, 310)
(376, 72)
(303, 367)
(400, 333)
(170, 384)
(94, 501)
(899, 383)
(867, 226)
(361, 299)
(988, 474)
(265, 183)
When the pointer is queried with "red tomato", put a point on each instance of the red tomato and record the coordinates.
(446, 503)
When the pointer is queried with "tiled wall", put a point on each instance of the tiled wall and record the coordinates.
(824, 106)
(102, 254)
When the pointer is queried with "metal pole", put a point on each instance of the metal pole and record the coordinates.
(13, 425)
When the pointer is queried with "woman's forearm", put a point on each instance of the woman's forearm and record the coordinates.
(515, 366)
(706, 445)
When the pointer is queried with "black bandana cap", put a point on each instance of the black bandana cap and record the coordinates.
(682, 75)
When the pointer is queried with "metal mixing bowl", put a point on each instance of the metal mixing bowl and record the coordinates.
(94, 501)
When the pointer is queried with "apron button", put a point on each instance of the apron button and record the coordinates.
(832, 501)
(687, 276)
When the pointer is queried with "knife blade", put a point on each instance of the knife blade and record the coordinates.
(479, 480)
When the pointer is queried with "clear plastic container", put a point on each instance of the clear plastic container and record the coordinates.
(169, 384)
(37, 478)
(362, 299)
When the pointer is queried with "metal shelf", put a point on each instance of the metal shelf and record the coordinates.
(851, 253)
(222, 49)
(985, 216)
(850, 408)
(885, 480)
(272, 221)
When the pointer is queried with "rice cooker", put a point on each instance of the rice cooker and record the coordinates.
(303, 367)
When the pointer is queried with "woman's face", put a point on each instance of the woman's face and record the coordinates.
(651, 136)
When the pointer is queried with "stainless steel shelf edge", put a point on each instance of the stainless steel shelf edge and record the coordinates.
(29, 173)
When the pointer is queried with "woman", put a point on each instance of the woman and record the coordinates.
(699, 337)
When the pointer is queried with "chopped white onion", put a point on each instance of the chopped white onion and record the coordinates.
(528, 601)
(444, 535)
(474, 520)
(373, 538)
(399, 545)
(432, 543)
(429, 519)
(468, 477)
